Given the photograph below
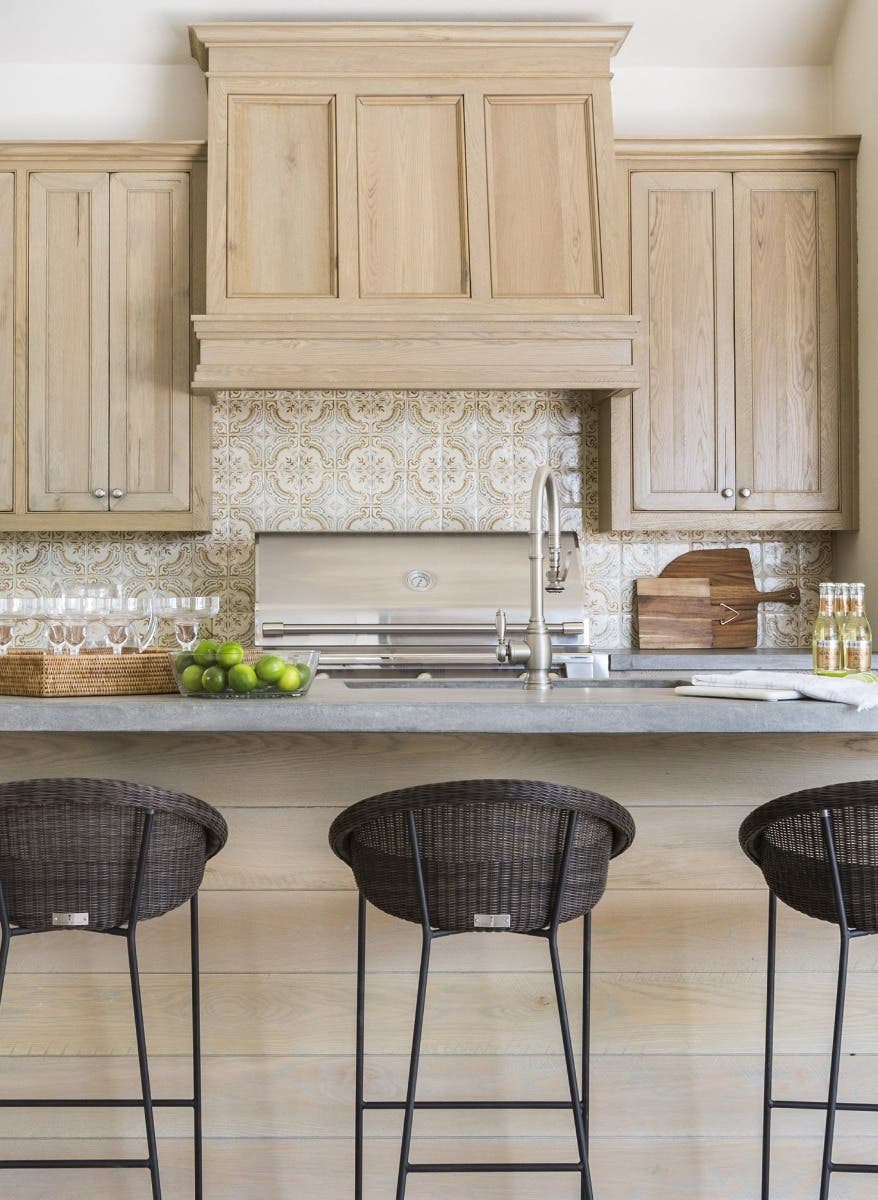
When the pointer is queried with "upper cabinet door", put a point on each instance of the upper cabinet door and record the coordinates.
(682, 288)
(68, 395)
(542, 197)
(149, 342)
(787, 341)
(411, 196)
(280, 242)
(7, 336)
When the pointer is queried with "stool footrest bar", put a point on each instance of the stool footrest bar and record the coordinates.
(821, 1106)
(97, 1103)
(48, 1164)
(855, 1168)
(481, 1168)
(441, 1105)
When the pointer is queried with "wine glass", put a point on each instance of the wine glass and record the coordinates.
(120, 618)
(79, 613)
(12, 610)
(50, 610)
(187, 613)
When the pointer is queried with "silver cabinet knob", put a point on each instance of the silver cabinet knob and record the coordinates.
(117, 493)
(745, 492)
(727, 493)
(99, 493)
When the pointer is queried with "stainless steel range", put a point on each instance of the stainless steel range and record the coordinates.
(403, 605)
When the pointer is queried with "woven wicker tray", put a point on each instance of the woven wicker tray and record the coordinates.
(91, 673)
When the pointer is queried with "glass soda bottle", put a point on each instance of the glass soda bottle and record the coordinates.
(857, 633)
(826, 643)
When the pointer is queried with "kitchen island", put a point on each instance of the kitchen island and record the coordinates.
(678, 956)
(337, 706)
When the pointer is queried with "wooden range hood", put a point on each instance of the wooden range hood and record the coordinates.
(412, 206)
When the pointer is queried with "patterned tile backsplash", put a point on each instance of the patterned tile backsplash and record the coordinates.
(400, 460)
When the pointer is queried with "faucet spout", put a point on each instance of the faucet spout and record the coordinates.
(535, 651)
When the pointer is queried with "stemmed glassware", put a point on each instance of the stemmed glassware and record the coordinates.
(187, 614)
(120, 617)
(13, 609)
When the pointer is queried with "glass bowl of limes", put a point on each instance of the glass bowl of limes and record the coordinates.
(226, 670)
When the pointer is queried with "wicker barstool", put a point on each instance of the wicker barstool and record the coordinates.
(101, 855)
(481, 855)
(818, 851)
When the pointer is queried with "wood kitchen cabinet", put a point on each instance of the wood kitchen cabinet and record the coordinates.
(742, 271)
(411, 205)
(7, 336)
(106, 433)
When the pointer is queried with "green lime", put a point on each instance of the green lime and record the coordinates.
(205, 653)
(242, 678)
(184, 660)
(230, 654)
(291, 680)
(270, 668)
(214, 679)
(305, 673)
(191, 677)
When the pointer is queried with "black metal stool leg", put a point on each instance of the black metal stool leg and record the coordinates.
(408, 1120)
(5, 941)
(586, 1038)
(570, 1062)
(145, 1087)
(420, 1004)
(197, 1123)
(361, 1048)
(769, 1045)
(834, 1066)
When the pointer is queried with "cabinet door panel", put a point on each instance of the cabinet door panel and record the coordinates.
(542, 196)
(68, 396)
(149, 341)
(683, 413)
(281, 234)
(411, 179)
(787, 340)
(7, 335)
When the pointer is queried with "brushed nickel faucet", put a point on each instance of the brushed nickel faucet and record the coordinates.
(535, 650)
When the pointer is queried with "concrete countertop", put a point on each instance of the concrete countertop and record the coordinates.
(333, 707)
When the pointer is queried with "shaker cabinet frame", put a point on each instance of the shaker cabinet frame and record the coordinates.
(743, 271)
(101, 261)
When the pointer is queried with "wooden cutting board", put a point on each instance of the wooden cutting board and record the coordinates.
(733, 592)
(674, 613)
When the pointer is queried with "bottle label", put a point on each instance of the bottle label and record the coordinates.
(827, 655)
(858, 656)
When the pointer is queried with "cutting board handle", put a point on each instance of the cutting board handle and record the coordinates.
(787, 595)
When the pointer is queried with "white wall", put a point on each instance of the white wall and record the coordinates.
(717, 102)
(855, 110)
(136, 100)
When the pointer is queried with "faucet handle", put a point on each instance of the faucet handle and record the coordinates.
(502, 643)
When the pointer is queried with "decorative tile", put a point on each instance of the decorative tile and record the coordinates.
(399, 459)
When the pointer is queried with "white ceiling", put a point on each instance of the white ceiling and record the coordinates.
(690, 33)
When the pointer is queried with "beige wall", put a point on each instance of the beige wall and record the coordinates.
(855, 110)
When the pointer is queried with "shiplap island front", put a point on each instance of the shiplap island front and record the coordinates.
(678, 958)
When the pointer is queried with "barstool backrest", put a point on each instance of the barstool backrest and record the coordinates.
(488, 847)
(786, 839)
(72, 846)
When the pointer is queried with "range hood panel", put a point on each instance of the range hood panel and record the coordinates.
(412, 205)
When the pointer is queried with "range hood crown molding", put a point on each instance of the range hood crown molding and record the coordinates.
(442, 217)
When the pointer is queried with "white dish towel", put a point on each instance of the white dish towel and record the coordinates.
(858, 690)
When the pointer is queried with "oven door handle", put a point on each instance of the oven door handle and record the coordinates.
(278, 629)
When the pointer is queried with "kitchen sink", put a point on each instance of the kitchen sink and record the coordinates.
(506, 684)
